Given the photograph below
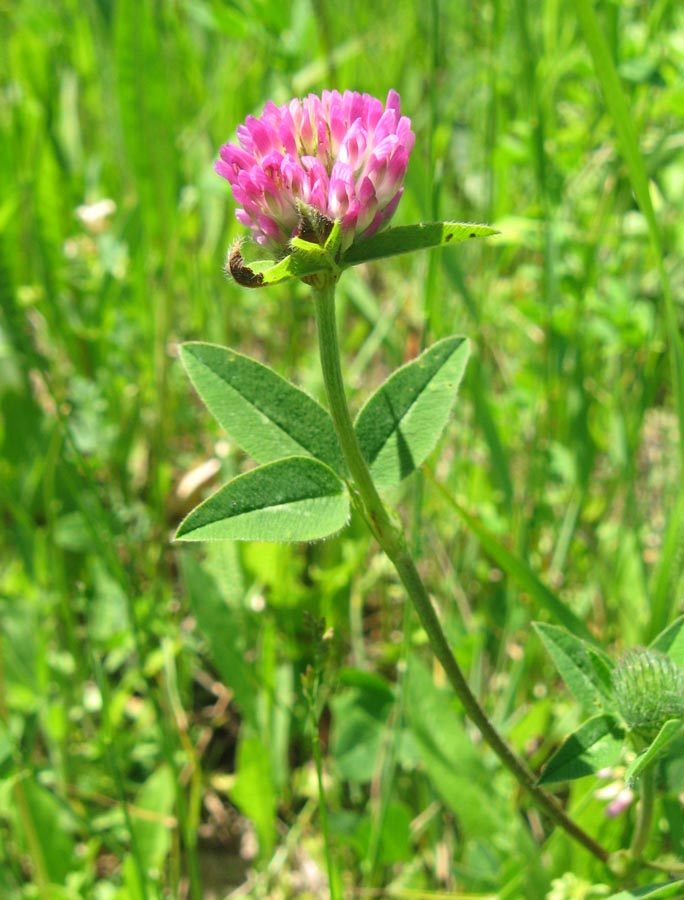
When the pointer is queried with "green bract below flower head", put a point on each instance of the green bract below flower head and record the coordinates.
(340, 157)
(649, 689)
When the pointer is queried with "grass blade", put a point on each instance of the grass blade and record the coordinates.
(519, 570)
(629, 147)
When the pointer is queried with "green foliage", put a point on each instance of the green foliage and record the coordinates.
(299, 499)
(402, 421)
(586, 671)
(455, 769)
(409, 238)
(360, 714)
(152, 831)
(49, 840)
(226, 629)
(669, 731)
(564, 452)
(641, 697)
(523, 575)
(666, 891)
(294, 499)
(306, 258)
(671, 642)
(267, 416)
(595, 745)
(253, 791)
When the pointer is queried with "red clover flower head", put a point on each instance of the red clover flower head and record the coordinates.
(342, 155)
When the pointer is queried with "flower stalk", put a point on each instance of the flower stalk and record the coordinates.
(391, 539)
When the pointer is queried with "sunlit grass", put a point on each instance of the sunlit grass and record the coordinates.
(151, 710)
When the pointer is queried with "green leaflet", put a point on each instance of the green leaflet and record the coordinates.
(671, 642)
(665, 736)
(294, 499)
(597, 743)
(401, 423)
(407, 238)
(265, 414)
(585, 670)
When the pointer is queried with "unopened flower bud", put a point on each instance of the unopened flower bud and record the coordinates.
(649, 689)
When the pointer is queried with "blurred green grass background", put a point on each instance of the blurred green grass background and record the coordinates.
(154, 739)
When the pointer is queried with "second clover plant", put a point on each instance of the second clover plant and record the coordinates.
(317, 181)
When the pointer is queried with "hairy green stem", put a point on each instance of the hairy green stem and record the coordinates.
(391, 539)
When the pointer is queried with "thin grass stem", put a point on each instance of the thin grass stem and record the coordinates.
(638, 176)
(115, 770)
(322, 804)
(35, 850)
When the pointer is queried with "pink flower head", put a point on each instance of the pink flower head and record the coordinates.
(342, 155)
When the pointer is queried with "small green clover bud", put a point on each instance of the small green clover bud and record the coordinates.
(649, 689)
